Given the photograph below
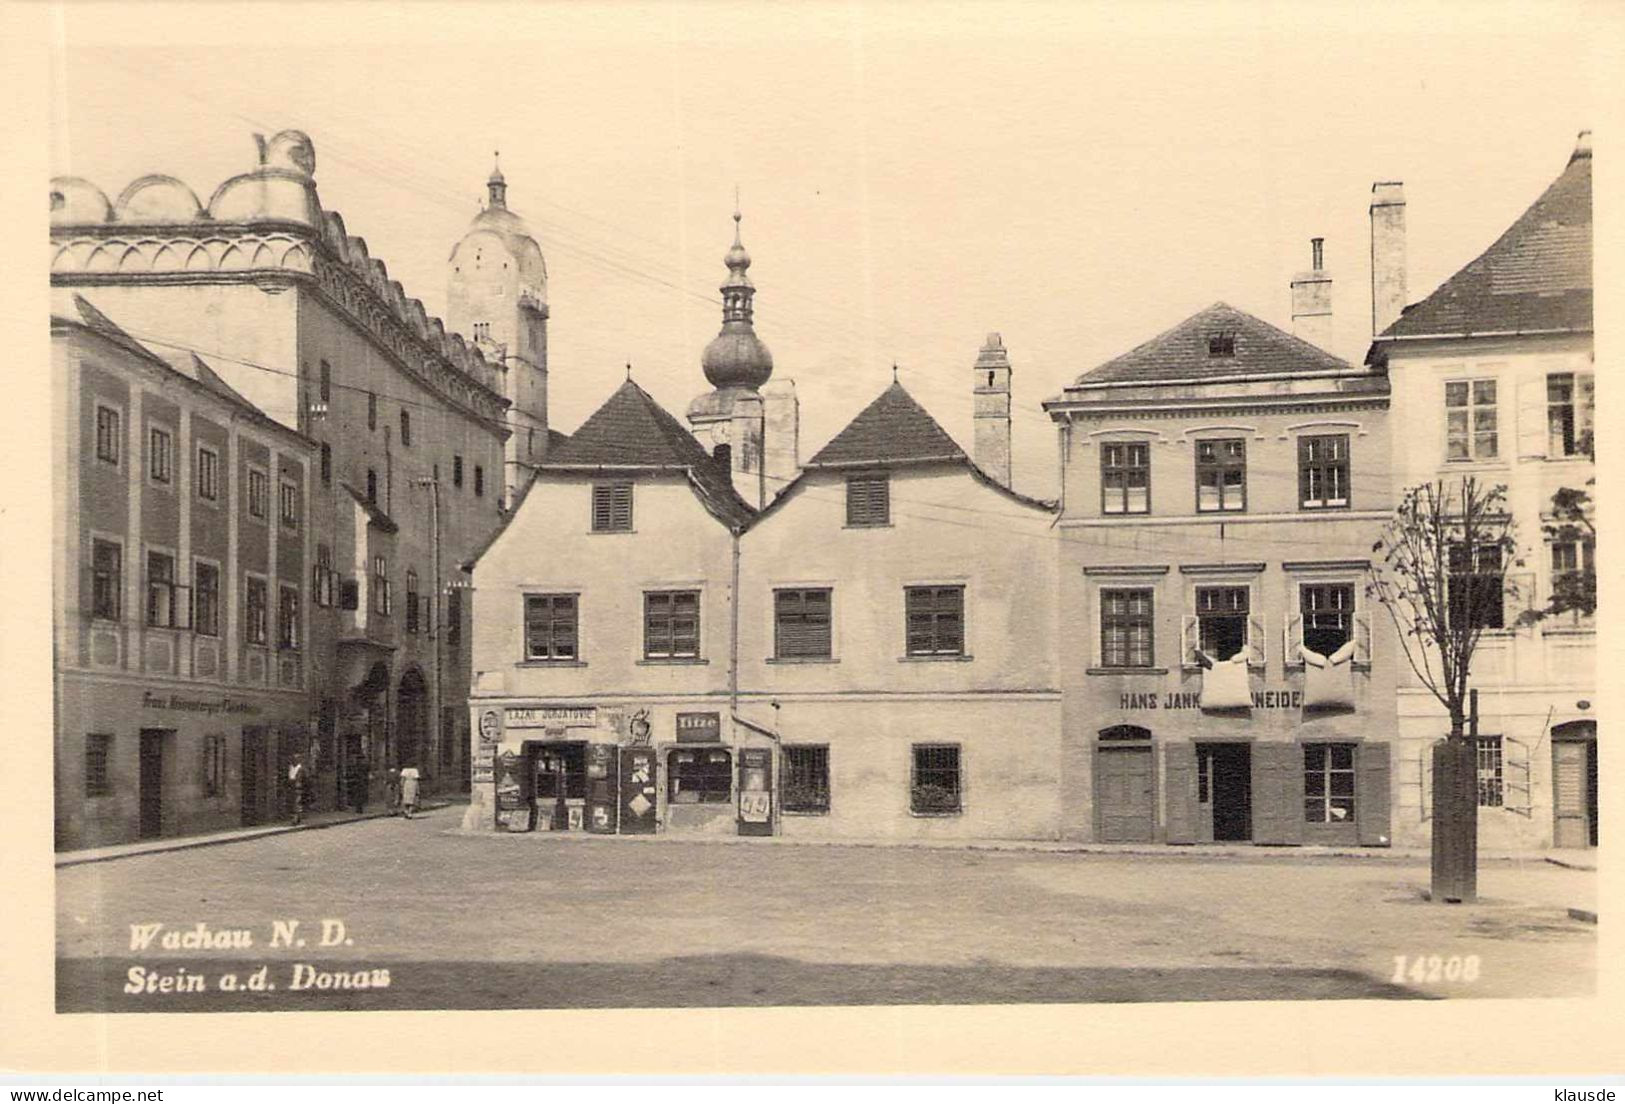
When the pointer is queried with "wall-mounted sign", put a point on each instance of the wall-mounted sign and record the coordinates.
(1186, 699)
(553, 716)
(209, 706)
(699, 728)
(490, 727)
(638, 729)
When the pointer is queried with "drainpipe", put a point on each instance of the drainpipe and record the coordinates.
(433, 722)
(733, 632)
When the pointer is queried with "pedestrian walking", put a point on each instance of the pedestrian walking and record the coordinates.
(393, 792)
(409, 791)
(296, 783)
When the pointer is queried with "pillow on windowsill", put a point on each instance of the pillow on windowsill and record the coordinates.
(1328, 681)
(1224, 682)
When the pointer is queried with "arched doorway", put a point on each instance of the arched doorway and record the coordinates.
(411, 720)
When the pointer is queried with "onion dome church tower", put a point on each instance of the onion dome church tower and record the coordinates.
(746, 423)
(496, 295)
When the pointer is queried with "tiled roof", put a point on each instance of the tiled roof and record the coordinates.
(633, 431)
(894, 429)
(1537, 275)
(1183, 352)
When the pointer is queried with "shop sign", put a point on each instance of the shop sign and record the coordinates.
(490, 727)
(638, 729)
(484, 766)
(553, 716)
(208, 706)
(699, 728)
(1185, 699)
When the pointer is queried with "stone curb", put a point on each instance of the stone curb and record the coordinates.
(187, 843)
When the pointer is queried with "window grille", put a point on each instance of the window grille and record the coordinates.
(806, 778)
(935, 786)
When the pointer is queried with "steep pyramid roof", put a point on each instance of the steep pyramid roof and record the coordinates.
(1536, 276)
(1195, 350)
(894, 429)
(634, 432)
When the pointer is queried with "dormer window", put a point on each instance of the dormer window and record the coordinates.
(1221, 344)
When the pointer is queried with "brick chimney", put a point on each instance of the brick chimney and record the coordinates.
(992, 409)
(1312, 299)
(1387, 253)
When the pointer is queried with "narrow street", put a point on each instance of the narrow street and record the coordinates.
(503, 921)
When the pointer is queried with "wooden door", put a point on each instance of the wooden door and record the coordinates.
(152, 783)
(1125, 787)
(1573, 793)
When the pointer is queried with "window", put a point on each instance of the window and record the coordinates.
(1471, 430)
(107, 434)
(259, 491)
(868, 500)
(482, 331)
(936, 620)
(160, 590)
(322, 576)
(372, 486)
(1125, 628)
(1328, 783)
(290, 504)
(479, 481)
(1125, 478)
(1221, 475)
(412, 602)
(326, 386)
(160, 455)
(550, 627)
(671, 624)
(806, 778)
(372, 410)
(612, 507)
(456, 471)
(1221, 618)
(383, 602)
(566, 765)
(1476, 587)
(1221, 344)
(406, 427)
(1323, 472)
(1328, 616)
(327, 464)
(1571, 565)
(699, 776)
(97, 747)
(934, 785)
(208, 474)
(801, 624)
(1570, 405)
(107, 580)
(454, 619)
(214, 765)
(254, 628)
(287, 618)
(206, 598)
(1490, 793)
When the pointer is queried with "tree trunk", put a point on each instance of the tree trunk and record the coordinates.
(1455, 819)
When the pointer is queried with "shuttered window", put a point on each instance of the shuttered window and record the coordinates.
(671, 624)
(1328, 616)
(801, 624)
(936, 620)
(1221, 614)
(612, 507)
(868, 500)
(550, 627)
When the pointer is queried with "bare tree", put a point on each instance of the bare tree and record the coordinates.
(1440, 571)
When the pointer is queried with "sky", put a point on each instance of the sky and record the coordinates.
(1077, 178)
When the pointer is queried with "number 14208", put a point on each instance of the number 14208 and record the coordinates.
(1420, 969)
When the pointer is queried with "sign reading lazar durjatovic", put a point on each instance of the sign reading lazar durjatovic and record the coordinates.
(552, 716)
(699, 728)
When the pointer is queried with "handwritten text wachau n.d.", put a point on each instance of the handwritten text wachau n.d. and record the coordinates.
(283, 935)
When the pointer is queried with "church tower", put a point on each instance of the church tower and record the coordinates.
(496, 295)
(749, 427)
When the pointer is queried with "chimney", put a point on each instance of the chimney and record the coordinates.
(1312, 299)
(992, 409)
(1387, 254)
(1582, 148)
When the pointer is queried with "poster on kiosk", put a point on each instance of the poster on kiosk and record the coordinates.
(755, 792)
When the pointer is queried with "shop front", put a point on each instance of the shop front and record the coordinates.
(619, 769)
(144, 759)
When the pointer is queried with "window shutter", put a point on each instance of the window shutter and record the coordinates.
(1362, 638)
(601, 512)
(1180, 819)
(1255, 642)
(1277, 792)
(1292, 639)
(1189, 637)
(1532, 417)
(621, 506)
(1372, 812)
